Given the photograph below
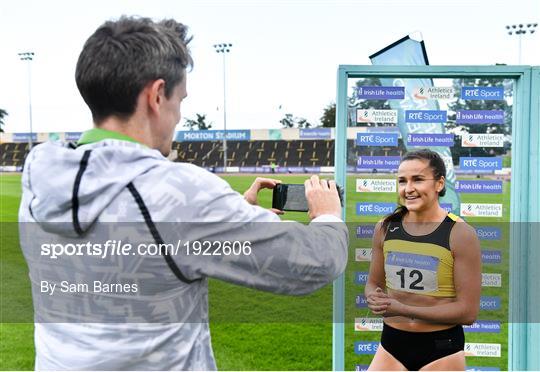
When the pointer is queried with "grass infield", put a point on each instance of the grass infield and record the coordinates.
(249, 345)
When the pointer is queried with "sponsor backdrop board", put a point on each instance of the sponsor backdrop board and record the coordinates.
(476, 145)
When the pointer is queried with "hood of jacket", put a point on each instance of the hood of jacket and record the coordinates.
(67, 188)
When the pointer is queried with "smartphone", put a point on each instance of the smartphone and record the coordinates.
(291, 197)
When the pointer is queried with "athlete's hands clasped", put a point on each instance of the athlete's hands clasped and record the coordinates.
(381, 304)
(378, 301)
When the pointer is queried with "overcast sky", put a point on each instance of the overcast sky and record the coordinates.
(285, 53)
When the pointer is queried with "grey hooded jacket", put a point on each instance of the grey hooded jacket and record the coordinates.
(124, 191)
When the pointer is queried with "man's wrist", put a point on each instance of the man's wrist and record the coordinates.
(327, 218)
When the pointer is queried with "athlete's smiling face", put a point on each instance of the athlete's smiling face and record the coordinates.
(417, 186)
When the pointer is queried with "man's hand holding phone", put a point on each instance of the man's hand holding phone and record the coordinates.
(261, 183)
(322, 197)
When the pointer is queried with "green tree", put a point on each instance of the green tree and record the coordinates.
(287, 121)
(354, 103)
(3, 114)
(291, 121)
(328, 118)
(199, 123)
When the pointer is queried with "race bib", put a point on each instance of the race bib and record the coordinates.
(411, 272)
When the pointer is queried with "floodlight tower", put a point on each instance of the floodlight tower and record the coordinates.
(224, 49)
(28, 57)
(519, 30)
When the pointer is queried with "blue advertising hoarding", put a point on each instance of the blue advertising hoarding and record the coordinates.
(374, 209)
(480, 117)
(390, 163)
(380, 93)
(72, 136)
(489, 232)
(425, 116)
(23, 137)
(213, 135)
(480, 163)
(360, 277)
(365, 231)
(377, 139)
(315, 133)
(482, 93)
(430, 139)
(479, 187)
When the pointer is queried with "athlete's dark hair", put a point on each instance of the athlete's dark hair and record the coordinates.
(123, 56)
(436, 164)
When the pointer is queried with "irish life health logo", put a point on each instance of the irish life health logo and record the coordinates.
(389, 163)
(480, 117)
(430, 139)
(375, 185)
(482, 140)
(383, 93)
(479, 187)
(365, 231)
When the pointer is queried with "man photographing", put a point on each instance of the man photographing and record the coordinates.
(132, 75)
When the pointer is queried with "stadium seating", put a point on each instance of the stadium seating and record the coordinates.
(13, 154)
(258, 153)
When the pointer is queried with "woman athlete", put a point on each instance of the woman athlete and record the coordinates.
(425, 274)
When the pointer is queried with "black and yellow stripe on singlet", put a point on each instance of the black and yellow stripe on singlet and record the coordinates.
(420, 264)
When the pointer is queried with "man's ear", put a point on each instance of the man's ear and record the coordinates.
(155, 93)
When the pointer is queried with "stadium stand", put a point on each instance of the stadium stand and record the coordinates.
(258, 153)
(284, 153)
(13, 154)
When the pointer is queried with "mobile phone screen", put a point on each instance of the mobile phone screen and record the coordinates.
(291, 197)
(295, 199)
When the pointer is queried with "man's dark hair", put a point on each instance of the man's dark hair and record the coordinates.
(123, 56)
